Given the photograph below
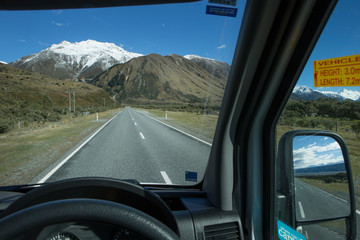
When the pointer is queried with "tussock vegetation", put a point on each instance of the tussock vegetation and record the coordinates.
(323, 113)
(27, 98)
(334, 178)
(187, 108)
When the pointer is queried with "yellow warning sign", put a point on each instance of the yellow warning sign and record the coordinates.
(337, 72)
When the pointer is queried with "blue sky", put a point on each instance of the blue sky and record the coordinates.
(313, 151)
(341, 37)
(164, 29)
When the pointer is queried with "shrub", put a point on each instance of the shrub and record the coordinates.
(5, 125)
(356, 126)
(328, 123)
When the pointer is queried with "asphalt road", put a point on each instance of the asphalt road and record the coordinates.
(313, 204)
(135, 146)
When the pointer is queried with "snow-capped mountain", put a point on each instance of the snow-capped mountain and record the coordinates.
(212, 66)
(344, 94)
(197, 58)
(3, 62)
(76, 60)
(306, 93)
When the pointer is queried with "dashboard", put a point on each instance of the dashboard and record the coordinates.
(188, 213)
(80, 231)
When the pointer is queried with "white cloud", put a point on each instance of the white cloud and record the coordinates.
(59, 24)
(222, 46)
(163, 25)
(22, 40)
(314, 155)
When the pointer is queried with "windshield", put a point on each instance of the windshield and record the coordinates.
(122, 92)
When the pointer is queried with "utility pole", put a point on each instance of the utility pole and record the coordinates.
(69, 103)
(74, 102)
(104, 104)
(337, 124)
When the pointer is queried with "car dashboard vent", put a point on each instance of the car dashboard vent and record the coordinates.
(222, 231)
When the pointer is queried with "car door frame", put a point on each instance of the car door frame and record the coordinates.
(275, 41)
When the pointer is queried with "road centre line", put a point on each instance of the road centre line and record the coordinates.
(142, 136)
(301, 210)
(166, 177)
(47, 176)
(187, 134)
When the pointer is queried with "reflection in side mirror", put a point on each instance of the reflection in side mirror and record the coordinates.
(315, 192)
(321, 185)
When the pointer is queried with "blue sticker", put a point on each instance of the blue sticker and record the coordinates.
(221, 11)
(285, 232)
(191, 176)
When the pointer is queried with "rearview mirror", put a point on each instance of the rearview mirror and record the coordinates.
(314, 184)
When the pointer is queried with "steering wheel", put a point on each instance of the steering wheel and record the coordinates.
(107, 200)
(54, 212)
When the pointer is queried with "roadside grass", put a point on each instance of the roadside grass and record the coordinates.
(202, 124)
(338, 226)
(339, 189)
(26, 153)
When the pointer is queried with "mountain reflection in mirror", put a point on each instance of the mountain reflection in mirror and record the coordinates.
(321, 188)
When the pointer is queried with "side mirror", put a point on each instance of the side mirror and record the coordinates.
(315, 193)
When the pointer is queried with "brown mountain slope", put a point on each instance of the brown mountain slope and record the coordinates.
(31, 97)
(171, 79)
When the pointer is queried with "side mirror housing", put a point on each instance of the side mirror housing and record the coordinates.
(314, 184)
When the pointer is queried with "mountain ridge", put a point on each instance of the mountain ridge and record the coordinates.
(170, 78)
(79, 60)
(306, 93)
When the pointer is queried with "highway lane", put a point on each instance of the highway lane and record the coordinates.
(134, 146)
(312, 204)
(316, 203)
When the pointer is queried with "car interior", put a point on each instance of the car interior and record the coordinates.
(245, 182)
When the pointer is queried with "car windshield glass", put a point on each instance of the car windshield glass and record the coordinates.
(121, 92)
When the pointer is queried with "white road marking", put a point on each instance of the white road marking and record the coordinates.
(47, 176)
(180, 131)
(333, 195)
(306, 234)
(357, 211)
(301, 210)
(142, 136)
(166, 177)
(135, 123)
